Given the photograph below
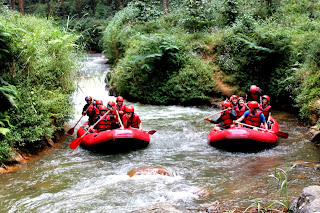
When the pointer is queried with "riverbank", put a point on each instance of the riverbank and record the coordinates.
(24, 156)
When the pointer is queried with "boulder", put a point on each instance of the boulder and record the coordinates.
(149, 170)
(159, 208)
(308, 201)
(315, 135)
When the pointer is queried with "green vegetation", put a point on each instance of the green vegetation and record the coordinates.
(280, 176)
(273, 44)
(36, 67)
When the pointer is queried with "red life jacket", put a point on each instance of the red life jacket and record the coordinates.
(255, 97)
(241, 111)
(93, 112)
(265, 111)
(254, 120)
(104, 124)
(226, 119)
(122, 108)
(133, 121)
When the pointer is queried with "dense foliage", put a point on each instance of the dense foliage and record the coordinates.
(269, 43)
(37, 64)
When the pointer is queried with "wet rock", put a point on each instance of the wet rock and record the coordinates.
(308, 201)
(202, 192)
(149, 170)
(315, 135)
(159, 208)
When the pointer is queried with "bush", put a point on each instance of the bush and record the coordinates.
(156, 70)
(39, 74)
(255, 55)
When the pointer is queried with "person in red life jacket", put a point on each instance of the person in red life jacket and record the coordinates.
(88, 99)
(266, 108)
(253, 94)
(121, 107)
(234, 101)
(253, 116)
(93, 113)
(131, 119)
(226, 118)
(105, 123)
(240, 108)
(112, 112)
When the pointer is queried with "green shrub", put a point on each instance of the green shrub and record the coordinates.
(113, 43)
(37, 78)
(255, 55)
(156, 70)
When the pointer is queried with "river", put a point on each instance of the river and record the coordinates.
(63, 180)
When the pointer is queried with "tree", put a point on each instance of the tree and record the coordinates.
(165, 4)
(13, 4)
(63, 8)
(21, 7)
(48, 8)
(93, 7)
(118, 3)
(78, 8)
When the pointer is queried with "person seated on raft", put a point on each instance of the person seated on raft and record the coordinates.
(95, 108)
(240, 109)
(90, 109)
(113, 112)
(131, 119)
(106, 122)
(253, 116)
(234, 101)
(121, 107)
(253, 94)
(265, 107)
(226, 118)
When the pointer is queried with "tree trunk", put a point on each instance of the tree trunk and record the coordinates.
(63, 8)
(13, 4)
(93, 7)
(21, 7)
(118, 4)
(165, 4)
(48, 8)
(78, 8)
(40, 1)
(109, 2)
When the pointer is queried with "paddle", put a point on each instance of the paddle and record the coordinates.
(119, 119)
(76, 142)
(279, 133)
(71, 131)
(151, 132)
(210, 116)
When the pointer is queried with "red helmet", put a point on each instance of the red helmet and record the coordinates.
(111, 104)
(266, 97)
(99, 102)
(103, 108)
(129, 109)
(119, 98)
(233, 96)
(226, 103)
(253, 104)
(253, 89)
(88, 98)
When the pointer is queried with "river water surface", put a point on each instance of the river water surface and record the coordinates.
(81, 181)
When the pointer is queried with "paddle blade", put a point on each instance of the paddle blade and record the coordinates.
(282, 134)
(75, 143)
(70, 132)
(151, 132)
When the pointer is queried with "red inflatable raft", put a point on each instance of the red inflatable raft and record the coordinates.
(244, 139)
(114, 140)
